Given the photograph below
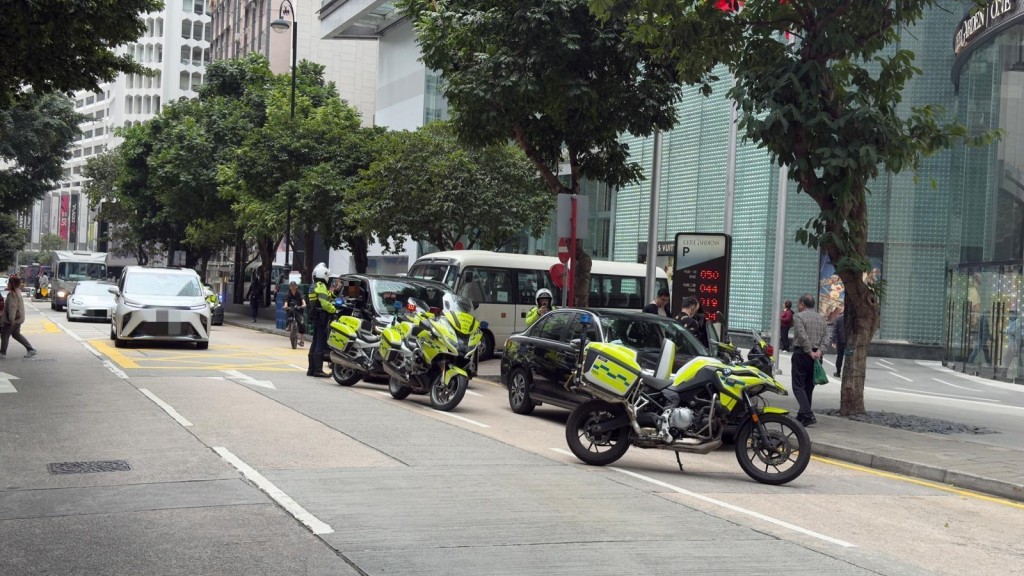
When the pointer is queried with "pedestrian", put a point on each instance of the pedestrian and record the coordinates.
(295, 304)
(659, 305)
(839, 341)
(982, 346)
(321, 306)
(13, 317)
(254, 296)
(811, 337)
(785, 323)
(688, 318)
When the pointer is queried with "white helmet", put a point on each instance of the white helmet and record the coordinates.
(544, 293)
(321, 272)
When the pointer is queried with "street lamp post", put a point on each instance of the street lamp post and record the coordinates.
(282, 25)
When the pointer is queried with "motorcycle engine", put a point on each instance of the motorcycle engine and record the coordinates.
(673, 422)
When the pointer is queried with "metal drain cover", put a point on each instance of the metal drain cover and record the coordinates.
(86, 467)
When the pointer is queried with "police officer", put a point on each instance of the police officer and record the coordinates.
(321, 306)
(543, 306)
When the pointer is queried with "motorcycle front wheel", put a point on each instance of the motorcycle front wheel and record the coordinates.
(779, 457)
(446, 395)
(591, 446)
(398, 391)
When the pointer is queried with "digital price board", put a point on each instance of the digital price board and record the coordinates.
(701, 270)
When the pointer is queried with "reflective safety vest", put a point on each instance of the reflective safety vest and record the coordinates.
(320, 298)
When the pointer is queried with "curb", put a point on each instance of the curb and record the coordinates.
(966, 480)
(256, 327)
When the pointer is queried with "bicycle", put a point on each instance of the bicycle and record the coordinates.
(293, 326)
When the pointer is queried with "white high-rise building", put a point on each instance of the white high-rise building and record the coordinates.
(176, 48)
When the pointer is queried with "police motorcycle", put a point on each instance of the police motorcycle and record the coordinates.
(352, 345)
(684, 412)
(761, 354)
(433, 351)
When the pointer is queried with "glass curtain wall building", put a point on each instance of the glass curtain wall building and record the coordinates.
(910, 243)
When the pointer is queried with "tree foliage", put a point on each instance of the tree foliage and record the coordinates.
(819, 84)
(12, 239)
(553, 78)
(67, 45)
(35, 136)
(431, 187)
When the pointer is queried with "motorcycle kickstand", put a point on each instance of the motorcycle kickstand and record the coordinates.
(680, 462)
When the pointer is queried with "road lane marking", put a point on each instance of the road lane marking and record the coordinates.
(477, 394)
(113, 353)
(6, 387)
(52, 327)
(884, 361)
(314, 524)
(167, 408)
(117, 371)
(900, 376)
(927, 483)
(829, 362)
(430, 410)
(883, 366)
(296, 367)
(929, 393)
(955, 386)
(726, 505)
(243, 379)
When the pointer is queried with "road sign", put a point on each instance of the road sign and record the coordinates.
(557, 273)
(563, 250)
(459, 245)
(702, 263)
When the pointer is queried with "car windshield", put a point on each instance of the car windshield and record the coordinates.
(159, 284)
(92, 289)
(643, 333)
(386, 293)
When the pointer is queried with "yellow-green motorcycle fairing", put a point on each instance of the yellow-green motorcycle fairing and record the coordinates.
(461, 322)
(452, 372)
(611, 367)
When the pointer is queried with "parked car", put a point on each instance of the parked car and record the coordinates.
(537, 362)
(91, 300)
(160, 304)
(216, 308)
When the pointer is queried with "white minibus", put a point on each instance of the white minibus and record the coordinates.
(503, 285)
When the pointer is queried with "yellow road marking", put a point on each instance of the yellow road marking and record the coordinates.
(926, 483)
(193, 361)
(51, 327)
(113, 353)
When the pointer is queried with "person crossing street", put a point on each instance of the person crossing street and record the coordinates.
(321, 306)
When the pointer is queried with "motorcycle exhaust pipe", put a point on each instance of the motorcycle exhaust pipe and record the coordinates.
(347, 362)
(393, 372)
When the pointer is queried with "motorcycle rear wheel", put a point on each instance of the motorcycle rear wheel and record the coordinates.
(445, 396)
(777, 459)
(344, 376)
(596, 449)
(398, 390)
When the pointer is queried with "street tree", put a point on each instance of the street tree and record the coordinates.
(433, 188)
(48, 243)
(123, 235)
(12, 239)
(67, 45)
(551, 77)
(36, 134)
(819, 86)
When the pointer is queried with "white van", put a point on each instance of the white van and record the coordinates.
(504, 286)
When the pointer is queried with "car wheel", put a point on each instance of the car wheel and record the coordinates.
(519, 392)
(202, 345)
(68, 316)
(112, 335)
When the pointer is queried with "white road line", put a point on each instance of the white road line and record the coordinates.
(7, 388)
(312, 522)
(948, 395)
(891, 373)
(936, 396)
(69, 332)
(884, 361)
(757, 515)
(829, 362)
(457, 417)
(382, 393)
(117, 371)
(296, 367)
(477, 394)
(883, 367)
(167, 408)
(244, 379)
(955, 386)
(735, 508)
(92, 350)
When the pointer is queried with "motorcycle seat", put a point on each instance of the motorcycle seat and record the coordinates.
(655, 383)
(369, 337)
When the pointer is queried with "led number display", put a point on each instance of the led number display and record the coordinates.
(702, 271)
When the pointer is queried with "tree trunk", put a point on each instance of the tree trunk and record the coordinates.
(360, 252)
(308, 241)
(238, 293)
(581, 277)
(267, 253)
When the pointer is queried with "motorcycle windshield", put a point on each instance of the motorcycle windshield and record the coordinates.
(457, 304)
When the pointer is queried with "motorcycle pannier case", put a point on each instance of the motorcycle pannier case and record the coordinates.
(611, 368)
(343, 333)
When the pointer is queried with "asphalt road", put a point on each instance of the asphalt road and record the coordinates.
(351, 481)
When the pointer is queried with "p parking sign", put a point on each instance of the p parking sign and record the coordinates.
(702, 263)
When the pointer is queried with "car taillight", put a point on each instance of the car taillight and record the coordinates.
(769, 351)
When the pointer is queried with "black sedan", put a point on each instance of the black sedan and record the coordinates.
(537, 362)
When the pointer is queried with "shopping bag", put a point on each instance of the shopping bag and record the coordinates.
(820, 376)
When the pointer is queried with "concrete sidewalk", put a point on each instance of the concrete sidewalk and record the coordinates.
(935, 457)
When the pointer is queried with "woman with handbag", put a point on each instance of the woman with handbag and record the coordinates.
(13, 318)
